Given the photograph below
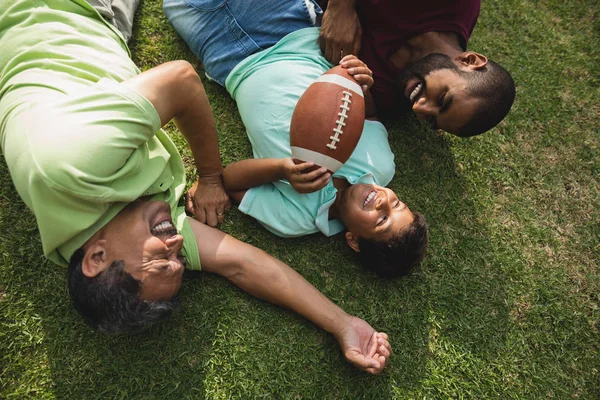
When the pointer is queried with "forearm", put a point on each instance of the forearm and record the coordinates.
(176, 92)
(265, 277)
(196, 122)
(268, 278)
(340, 3)
(246, 174)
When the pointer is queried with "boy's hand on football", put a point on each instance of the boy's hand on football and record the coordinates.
(304, 181)
(359, 71)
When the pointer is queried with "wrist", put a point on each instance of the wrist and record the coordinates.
(340, 4)
(210, 177)
(339, 324)
(282, 170)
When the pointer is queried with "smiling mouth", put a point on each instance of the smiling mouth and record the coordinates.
(416, 92)
(372, 194)
(164, 228)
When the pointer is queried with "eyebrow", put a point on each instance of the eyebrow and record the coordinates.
(447, 104)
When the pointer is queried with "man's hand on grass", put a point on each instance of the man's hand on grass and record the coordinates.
(364, 347)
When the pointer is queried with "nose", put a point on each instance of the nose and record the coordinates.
(175, 244)
(382, 200)
(424, 108)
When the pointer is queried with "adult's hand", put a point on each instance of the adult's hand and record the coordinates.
(341, 32)
(363, 346)
(207, 200)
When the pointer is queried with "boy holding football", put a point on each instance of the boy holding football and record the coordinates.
(266, 54)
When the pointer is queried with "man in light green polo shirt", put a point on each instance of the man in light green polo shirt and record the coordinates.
(80, 129)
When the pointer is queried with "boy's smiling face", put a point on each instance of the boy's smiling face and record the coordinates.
(373, 212)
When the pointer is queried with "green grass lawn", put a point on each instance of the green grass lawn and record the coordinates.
(506, 304)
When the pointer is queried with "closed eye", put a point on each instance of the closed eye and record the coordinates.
(447, 102)
(382, 220)
(441, 100)
(399, 205)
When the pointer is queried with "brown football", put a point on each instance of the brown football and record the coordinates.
(328, 120)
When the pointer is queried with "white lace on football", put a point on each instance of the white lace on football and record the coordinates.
(341, 122)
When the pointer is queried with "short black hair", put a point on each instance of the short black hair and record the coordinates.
(110, 301)
(493, 86)
(398, 255)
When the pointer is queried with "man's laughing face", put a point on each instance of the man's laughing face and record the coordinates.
(436, 90)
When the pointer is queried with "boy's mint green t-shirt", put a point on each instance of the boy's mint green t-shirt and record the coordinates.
(79, 145)
(266, 87)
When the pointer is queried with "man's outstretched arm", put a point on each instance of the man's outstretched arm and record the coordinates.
(267, 278)
(176, 92)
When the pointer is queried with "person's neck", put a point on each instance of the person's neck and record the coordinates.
(419, 46)
(341, 185)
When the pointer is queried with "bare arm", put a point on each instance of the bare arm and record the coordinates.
(341, 33)
(267, 278)
(240, 176)
(177, 93)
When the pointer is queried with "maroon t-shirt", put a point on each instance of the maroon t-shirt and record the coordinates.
(388, 24)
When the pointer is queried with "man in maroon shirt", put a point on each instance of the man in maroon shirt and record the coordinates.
(417, 52)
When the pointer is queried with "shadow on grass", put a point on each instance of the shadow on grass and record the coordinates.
(463, 286)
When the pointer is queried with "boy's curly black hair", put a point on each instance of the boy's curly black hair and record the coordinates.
(398, 255)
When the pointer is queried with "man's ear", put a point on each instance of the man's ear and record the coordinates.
(471, 60)
(352, 241)
(95, 260)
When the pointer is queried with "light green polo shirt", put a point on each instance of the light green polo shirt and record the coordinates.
(266, 87)
(79, 145)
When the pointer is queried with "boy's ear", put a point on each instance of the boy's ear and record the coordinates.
(352, 241)
(95, 260)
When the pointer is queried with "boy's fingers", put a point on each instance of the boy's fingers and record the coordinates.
(311, 176)
(319, 183)
(303, 165)
(324, 180)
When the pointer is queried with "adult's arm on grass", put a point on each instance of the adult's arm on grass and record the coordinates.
(176, 92)
(268, 278)
(240, 176)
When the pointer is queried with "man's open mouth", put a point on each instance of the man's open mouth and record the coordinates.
(164, 228)
(416, 91)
